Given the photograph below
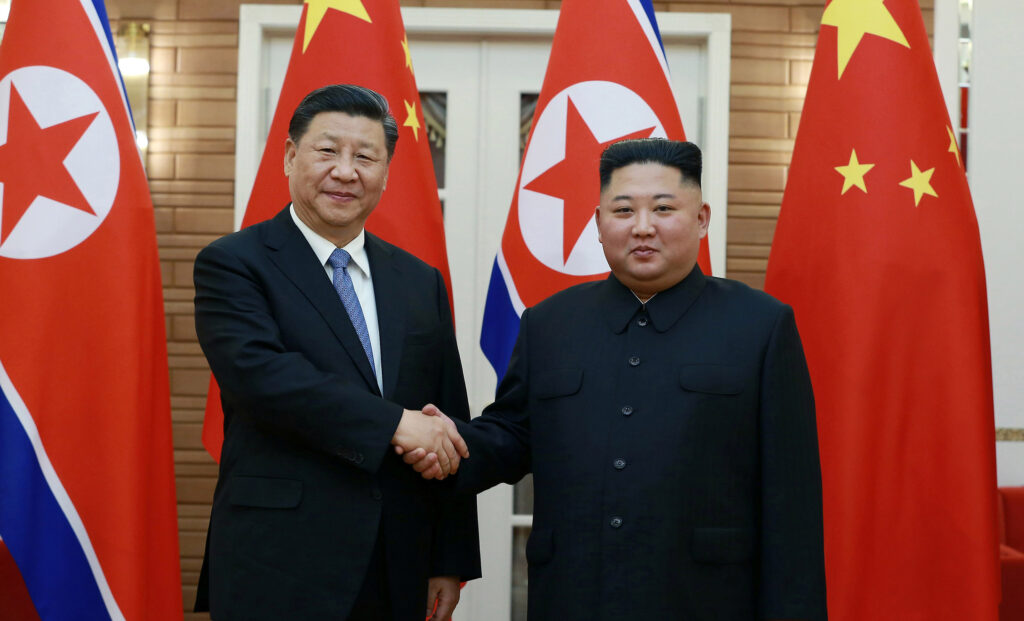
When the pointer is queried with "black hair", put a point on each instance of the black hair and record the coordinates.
(350, 99)
(683, 156)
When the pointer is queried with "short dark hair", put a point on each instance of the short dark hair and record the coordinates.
(683, 156)
(352, 100)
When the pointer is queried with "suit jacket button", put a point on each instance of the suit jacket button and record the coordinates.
(619, 463)
(634, 361)
(615, 522)
(376, 494)
(627, 410)
(641, 322)
(358, 458)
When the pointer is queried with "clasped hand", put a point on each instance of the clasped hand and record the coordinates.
(429, 441)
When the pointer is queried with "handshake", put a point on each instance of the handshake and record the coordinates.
(429, 442)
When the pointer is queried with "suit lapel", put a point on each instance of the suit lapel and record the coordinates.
(387, 289)
(293, 256)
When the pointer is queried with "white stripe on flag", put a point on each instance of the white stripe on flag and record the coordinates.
(513, 294)
(59, 493)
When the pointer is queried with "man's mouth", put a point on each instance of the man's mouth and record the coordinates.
(341, 195)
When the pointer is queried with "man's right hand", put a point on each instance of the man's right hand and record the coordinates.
(425, 462)
(433, 438)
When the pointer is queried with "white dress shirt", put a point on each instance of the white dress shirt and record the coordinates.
(359, 270)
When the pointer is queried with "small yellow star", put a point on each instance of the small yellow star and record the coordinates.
(919, 182)
(316, 9)
(853, 173)
(856, 18)
(408, 56)
(412, 120)
(953, 148)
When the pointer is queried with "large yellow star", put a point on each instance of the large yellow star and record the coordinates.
(853, 173)
(953, 148)
(316, 9)
(412, 120)
(408, 56)
(855, 18)
(919, 182)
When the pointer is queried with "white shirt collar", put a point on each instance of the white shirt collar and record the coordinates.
(323, 247)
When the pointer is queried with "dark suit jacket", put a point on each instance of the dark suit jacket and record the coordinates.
(674, 455)
(307, 473)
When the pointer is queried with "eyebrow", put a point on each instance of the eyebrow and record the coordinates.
(630, 196)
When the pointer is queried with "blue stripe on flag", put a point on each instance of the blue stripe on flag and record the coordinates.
(37, 533)
(500, 324)
(649, 9)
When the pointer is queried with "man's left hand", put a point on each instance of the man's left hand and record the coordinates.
(442, 592)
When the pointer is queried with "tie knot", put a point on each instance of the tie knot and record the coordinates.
(339, 258)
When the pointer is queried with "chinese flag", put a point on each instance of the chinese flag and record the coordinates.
(87, 501)
(591, 97)
(877, 250)
(353, 42)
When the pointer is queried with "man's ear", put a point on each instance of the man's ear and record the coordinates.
(704, 219)
(597, 219)
(290, 150)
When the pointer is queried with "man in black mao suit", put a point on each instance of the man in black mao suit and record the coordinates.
(668, 420)
(313, 516)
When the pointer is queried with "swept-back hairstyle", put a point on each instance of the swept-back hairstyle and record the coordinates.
(683, 156)
(350, 99)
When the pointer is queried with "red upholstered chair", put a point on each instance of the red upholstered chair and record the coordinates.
(1011, 552)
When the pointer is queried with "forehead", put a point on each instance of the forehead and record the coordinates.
(344, 126)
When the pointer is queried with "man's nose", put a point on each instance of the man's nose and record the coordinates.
(343, 169)
(643, 225)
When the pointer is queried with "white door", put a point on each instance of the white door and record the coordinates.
(479, 72)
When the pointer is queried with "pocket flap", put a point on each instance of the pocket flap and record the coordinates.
(265, 492)
(716, 379)
(722, 545)
(559, 383)
(540, 547)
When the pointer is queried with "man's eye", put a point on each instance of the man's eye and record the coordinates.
(326, 150)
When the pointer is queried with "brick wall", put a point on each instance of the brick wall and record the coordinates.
(194, 55)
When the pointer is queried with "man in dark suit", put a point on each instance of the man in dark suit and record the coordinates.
(325, 341)
(668, 420)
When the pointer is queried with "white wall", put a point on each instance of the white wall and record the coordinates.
(995, 154)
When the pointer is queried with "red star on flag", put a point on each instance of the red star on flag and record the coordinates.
(563, 180)
(32, 163)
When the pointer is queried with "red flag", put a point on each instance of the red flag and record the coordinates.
(353, 42)
(877, 249)
(87, 502)
(593, 95)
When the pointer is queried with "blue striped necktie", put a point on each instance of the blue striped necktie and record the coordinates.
(343, 285)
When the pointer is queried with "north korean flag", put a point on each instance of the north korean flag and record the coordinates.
(87, 503)
(607, 80)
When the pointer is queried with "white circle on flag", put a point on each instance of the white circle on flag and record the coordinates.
(610, 111)
(49, 227)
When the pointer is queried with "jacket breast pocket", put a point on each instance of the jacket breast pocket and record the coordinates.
(265, 492)
(711, 379)
(722, 545)
(558, 383)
